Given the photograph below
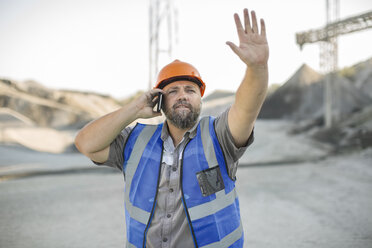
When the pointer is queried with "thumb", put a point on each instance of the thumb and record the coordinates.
(233, 47)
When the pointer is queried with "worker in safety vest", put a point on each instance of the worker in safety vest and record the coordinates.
(180, 175)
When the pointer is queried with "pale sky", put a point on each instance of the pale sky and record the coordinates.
(102, 46)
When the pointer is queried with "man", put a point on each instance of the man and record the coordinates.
(180, 175)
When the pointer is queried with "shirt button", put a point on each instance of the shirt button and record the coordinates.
(169, 215)
(171, 190)
(174, 168)
(165, 239)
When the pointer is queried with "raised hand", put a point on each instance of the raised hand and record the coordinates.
(253, 49)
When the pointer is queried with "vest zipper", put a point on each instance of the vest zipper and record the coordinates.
(156, 194)
(183, 198)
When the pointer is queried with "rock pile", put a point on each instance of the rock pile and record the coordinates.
(301, 99)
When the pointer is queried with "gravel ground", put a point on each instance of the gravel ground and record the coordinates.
(324, 204)
(292, 194)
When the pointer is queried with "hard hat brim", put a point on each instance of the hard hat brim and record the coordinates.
(167, 81)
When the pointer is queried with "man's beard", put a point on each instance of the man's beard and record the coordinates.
(183, 119)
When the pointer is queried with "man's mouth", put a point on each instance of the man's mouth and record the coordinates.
(182, 106)
(187, 106)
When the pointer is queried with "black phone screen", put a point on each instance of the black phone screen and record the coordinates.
(160, 102)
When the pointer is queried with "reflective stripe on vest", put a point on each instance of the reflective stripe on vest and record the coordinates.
(142, 158)
(214, 219)
(222, 199)
(131, 167)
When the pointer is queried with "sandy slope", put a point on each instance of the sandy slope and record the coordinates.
(274, 144)
(38, 138)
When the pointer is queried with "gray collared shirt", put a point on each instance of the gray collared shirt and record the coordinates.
(169, 226)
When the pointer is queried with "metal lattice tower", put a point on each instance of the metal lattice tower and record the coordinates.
(162, 33)
(327, 36)
(328, 59)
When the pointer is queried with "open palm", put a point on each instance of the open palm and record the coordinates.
(253, 49)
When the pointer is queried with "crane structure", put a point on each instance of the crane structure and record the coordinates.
(345, 26)
(327, 37)
(162, 33)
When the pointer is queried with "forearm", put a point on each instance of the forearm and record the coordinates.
(98, 134)
(252, 92)
(248, 101)
(95, 138)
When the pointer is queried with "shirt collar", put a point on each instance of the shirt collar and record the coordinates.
(191, 132)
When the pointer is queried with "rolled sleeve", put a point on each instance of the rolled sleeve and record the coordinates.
(115, 158)
(231, 152)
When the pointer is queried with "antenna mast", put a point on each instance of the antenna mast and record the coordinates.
(162, 34)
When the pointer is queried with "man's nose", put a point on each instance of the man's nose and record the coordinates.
(182, 95)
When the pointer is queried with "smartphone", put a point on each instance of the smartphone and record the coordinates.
(159, 102)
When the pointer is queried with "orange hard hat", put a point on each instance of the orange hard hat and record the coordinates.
(177, 71)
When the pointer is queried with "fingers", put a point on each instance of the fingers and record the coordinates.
(247, 22)
(250, 24)
(239, 27)
(146, 103)
(155, 91)
(263, 27)
(254, 22)
(151, 96)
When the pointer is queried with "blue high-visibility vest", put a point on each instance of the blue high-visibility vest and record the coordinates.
(208, 193)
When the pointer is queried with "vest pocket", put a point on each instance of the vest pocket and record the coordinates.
(210, 180)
